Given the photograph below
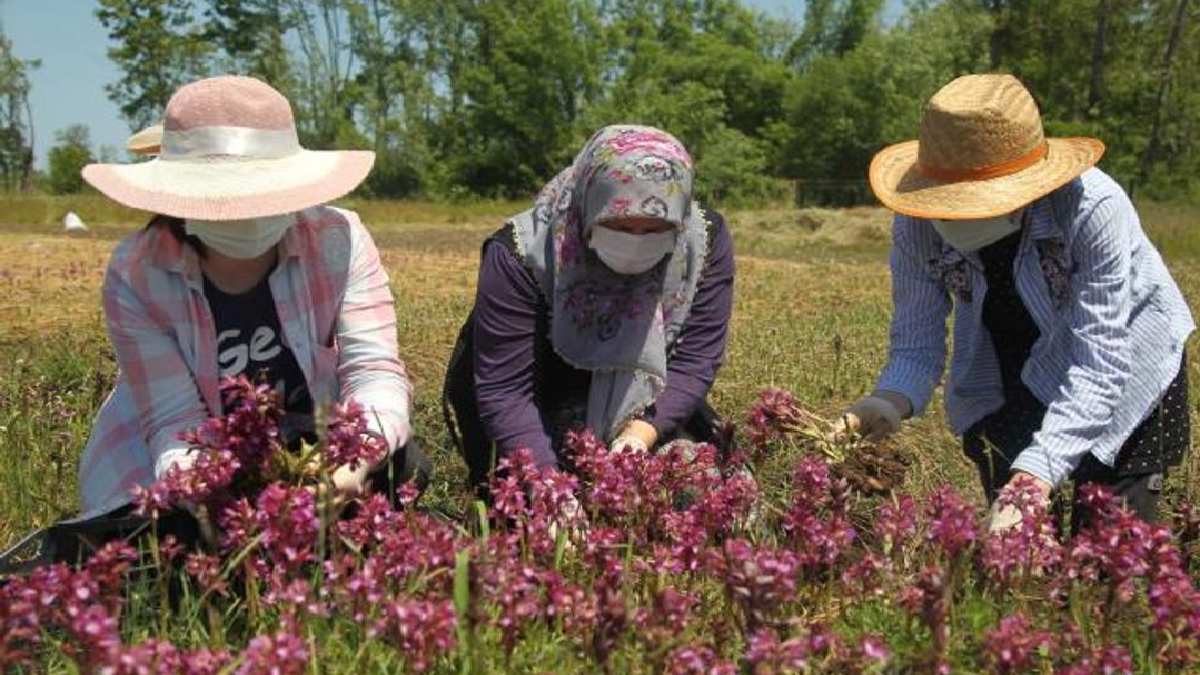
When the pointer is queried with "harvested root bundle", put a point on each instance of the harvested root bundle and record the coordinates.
(875, 469)
(778, 419)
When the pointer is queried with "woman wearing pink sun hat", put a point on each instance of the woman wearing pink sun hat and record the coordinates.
(242, 270)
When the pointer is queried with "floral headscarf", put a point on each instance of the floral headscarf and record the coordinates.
(620, 327)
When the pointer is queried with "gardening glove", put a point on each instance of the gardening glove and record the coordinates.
(873, 417)
(637, 436)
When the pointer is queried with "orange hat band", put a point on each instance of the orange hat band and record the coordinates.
(983, 173)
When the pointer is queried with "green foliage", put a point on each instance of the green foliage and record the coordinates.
(529, 69)
(834, 27)
(733, 171)
(842, 109)
(251, 32)
(71, 152)
(158, 47)
(490, 98)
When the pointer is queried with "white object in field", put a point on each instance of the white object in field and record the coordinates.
(73, 223)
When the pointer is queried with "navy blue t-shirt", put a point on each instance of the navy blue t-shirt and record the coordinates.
(250, 343)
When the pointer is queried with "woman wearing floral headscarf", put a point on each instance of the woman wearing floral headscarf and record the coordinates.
(606, 305)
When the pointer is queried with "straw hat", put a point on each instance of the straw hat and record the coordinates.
(148, 141)
(981, 153)
(230, 151)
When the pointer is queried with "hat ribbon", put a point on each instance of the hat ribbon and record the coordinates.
(985, 172)
(247, 142)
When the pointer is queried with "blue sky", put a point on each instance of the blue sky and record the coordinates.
(69, 87)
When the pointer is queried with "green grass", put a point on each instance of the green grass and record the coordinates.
(811, 315)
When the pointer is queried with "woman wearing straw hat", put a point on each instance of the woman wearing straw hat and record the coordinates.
(604, 305)
(241, 271)
(1069, 331)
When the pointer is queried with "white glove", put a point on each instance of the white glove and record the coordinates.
(349, 482)
(630, 444)
(872, 417)
(183, 458)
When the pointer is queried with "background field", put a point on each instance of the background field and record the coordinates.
(811, 315)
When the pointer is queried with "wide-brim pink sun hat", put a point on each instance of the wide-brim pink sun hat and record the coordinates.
(230, 151)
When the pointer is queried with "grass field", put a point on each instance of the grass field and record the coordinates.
(811, 315)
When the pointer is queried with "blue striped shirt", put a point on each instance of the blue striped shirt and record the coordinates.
(1112, 332)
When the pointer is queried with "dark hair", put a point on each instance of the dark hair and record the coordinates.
(175, 227)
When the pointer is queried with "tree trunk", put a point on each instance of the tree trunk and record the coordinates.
(1160, 99)
(27, 160)
(382, 95)
(999, 34)
(1096, 87)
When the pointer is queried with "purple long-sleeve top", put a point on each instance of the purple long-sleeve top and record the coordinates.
(507, 306)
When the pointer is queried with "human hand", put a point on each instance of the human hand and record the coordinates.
(350, 482)
(1004, 515)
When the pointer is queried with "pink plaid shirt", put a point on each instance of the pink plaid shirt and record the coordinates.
(335, 310)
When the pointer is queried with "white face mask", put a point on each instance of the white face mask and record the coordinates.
(626, 253)
(243, 239)
(972, 235)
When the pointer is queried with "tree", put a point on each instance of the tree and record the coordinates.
(530, 70)
(1153, 147)
(395, 87)
(492, 97)
(158, 45)
(324, 96)
(857, 21)
(843, 109)
(1096, 82)
(834, 27)
(718, 44)
(813, 40)
(16, 119)
(713, 74)
(72, 151)
(251, 34)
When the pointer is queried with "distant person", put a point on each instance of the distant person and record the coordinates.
(242, 271)
(606, 305)
(147, 142)
(1069, 331)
